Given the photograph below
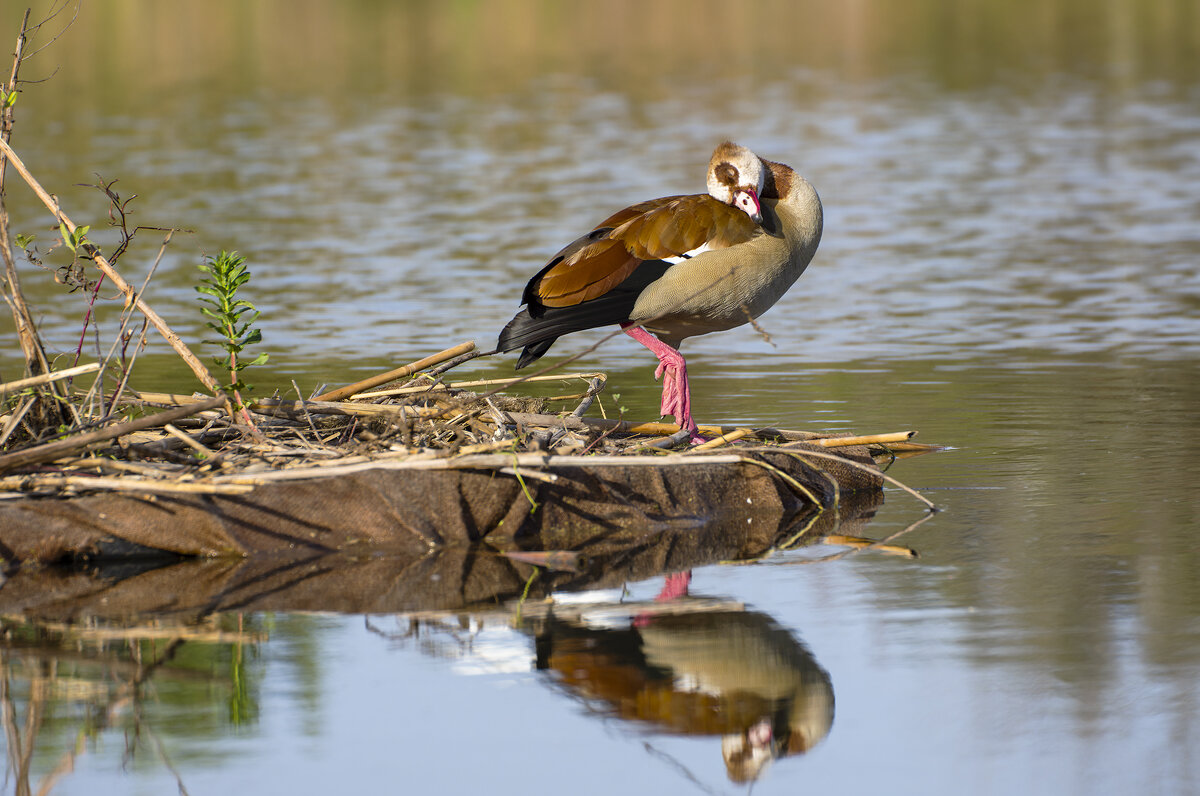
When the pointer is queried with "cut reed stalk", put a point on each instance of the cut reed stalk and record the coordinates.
(191, 442)
(383, 378)
(28, 483)
(10, 387)
(462, 385)
(864, 439)
(724, 439)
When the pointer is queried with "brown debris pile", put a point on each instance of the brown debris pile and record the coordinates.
(196, 446)
(411, 467)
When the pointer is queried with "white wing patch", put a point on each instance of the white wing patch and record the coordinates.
(687, 255)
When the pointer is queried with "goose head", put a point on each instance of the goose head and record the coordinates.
(735, 177)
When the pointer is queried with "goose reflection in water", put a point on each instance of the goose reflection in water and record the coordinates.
(727, 672)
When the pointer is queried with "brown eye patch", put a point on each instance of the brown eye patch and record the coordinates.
(726, 174)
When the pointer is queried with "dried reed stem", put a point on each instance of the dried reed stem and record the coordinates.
(861, 466)
(28, 483)
(865, 439)
(46, 378)
(799, 487)
(462, 385)
(55, 450)
(297, 409)
(27, 335)
(724, 439)
(479, 462)
(383, 378)
(190, 441)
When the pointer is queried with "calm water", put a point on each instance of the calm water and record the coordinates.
(1009, 265)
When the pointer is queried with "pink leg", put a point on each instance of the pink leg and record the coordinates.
(676, 396)
(675, 586)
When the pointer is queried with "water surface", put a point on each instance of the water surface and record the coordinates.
(1009, 265)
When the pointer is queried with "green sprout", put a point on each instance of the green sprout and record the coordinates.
(73, 238)
(230, 317)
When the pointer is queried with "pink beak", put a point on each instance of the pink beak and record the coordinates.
(747, 200)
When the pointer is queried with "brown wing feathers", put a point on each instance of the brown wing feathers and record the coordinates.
(683, 225)
(595, 280)
(586, 274)
(654, 230)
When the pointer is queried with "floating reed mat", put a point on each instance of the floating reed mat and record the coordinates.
(406, 460)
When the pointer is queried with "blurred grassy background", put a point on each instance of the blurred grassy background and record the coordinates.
(131, 51)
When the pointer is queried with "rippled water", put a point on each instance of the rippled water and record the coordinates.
(1009, 267)
(1053, 225)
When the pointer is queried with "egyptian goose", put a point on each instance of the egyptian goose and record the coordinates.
(679, 266)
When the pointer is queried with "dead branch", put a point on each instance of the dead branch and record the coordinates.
(31, 344)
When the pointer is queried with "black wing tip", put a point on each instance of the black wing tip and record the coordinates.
(532, 353)
(517, 334)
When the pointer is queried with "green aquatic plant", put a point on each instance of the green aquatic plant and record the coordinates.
(231, 317)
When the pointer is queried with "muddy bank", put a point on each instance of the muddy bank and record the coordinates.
(397, 507)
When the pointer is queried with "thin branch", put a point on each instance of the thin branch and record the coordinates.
(868, 468)
(106, 268)
(37, 28)
(127, 315)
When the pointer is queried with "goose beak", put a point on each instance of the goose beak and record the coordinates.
(747, 199)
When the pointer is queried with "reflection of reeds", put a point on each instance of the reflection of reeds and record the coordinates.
(858, 544)
(98, 634)
(131, 664)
